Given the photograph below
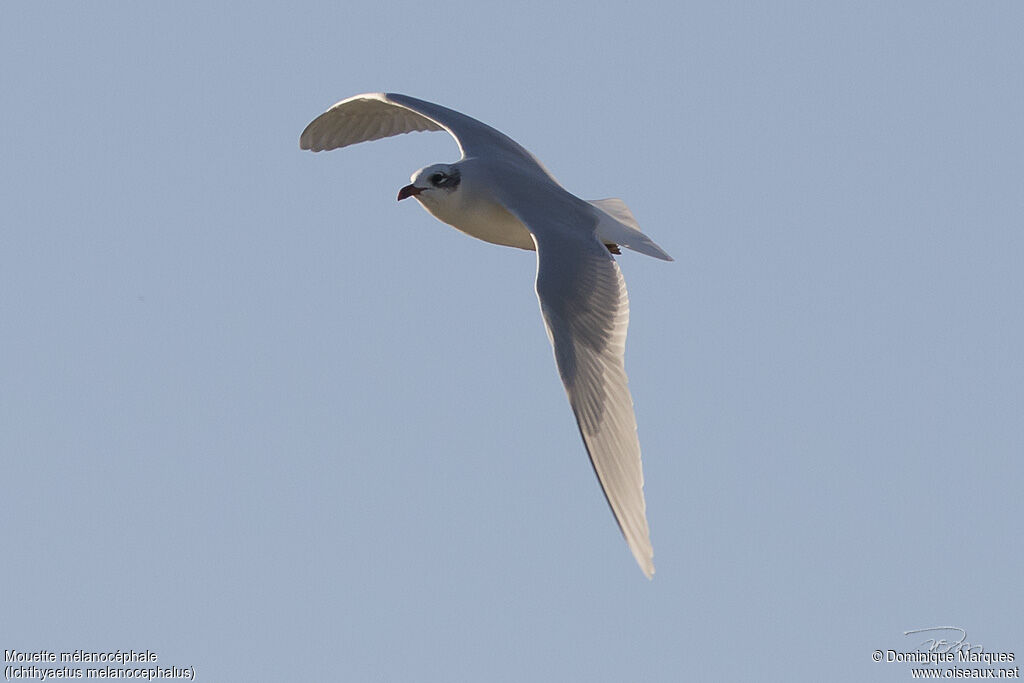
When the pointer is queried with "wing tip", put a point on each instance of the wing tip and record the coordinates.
(307, 140)
(643, 553)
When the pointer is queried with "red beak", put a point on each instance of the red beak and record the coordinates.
(409, 191)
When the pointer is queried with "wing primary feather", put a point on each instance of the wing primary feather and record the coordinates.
(373, 116)
(586, 310)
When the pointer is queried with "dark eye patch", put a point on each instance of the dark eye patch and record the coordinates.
(450, 181)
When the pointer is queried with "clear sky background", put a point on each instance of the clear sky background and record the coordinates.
(263, 420)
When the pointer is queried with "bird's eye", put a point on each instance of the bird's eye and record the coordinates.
(437, 178)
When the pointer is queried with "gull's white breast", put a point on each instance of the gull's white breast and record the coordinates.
(473, 211)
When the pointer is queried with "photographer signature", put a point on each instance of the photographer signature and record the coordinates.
(940, 644)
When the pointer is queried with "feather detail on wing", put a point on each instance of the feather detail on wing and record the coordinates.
(585, 307)
(360, 119)
(373, 116)
(586, 311)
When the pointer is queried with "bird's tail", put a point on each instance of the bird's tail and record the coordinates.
(616, 225)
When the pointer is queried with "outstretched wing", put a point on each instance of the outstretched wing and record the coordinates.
(586, 312)
(380, 115)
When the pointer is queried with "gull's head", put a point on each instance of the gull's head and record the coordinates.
(433, 185)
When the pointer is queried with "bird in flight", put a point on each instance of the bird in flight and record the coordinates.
(500, 193)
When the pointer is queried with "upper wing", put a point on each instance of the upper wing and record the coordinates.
(586, 312)
(379, 115)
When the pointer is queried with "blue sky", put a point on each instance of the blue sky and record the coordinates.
(263, 420)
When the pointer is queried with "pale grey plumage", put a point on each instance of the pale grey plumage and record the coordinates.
(506, 196)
